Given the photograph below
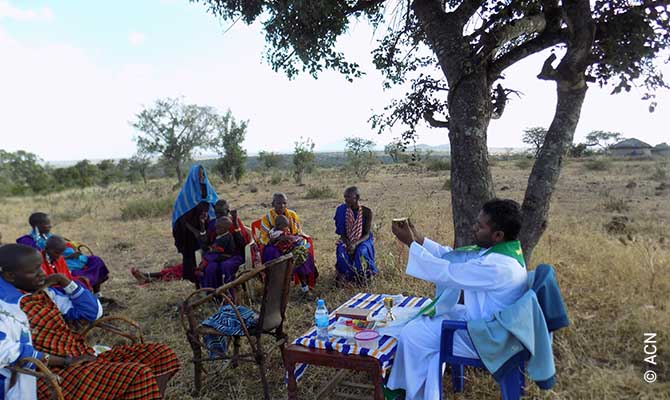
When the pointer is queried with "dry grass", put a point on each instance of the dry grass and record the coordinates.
(616, 288)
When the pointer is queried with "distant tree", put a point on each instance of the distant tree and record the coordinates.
(360, 156)
(453, 56)
(109, 172)
(603, 139)
(579, 150)
(394, 149)
(535, 138)
(22, 173)
(87, 172)
(229, 135)
(303, 159)
(174, 130)
(139, 164)
(269, 159)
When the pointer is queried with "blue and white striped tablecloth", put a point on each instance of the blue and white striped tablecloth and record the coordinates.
(387, 344)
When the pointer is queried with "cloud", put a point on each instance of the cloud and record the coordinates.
(136, 38)
(8, 11)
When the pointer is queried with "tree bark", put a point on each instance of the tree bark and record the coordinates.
(570, 77)
(547, 167)
(469, 114)
(471, 181)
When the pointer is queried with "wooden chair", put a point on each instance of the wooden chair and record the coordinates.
(41, 371)
(106, 324)
(277, 278)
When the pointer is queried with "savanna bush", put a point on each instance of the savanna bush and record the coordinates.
(613, 204)
(438, 164)
(147, 208)
(598, 164)
(319, 192)
(524, 163)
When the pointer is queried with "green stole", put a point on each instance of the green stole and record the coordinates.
(511, 248)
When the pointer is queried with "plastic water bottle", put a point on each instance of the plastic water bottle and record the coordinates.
(321, 320)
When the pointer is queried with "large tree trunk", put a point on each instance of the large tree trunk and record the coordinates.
(469, 114)
(471, 182)
(570, 77)
(547, 167)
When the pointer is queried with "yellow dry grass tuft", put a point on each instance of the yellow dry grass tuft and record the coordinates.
(616, 287)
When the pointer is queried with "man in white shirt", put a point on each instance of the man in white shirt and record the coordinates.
(491, 276)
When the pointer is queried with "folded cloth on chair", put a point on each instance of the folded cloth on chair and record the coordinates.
(543, 282)
(519, 327)
(225, 321)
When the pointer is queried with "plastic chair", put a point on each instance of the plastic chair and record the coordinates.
(512, 385)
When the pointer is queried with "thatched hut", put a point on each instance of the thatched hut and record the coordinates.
(661, 150)
(631, 148)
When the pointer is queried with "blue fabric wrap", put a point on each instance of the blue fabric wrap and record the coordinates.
(74, 264)
(348, 266)
(226, 322)
(543, 282)
(190, 196)
(340, 220)
(518, 328)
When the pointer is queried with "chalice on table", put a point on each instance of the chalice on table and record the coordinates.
(388, 305)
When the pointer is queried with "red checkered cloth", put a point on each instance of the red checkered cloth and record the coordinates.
(124, 372)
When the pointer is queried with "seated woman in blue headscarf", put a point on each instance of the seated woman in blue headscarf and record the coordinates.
(193, 209)
(355, 249)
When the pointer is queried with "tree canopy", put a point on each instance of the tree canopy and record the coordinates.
(453, 55)
(174, 130)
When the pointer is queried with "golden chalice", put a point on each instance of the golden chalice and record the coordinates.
(388, 305)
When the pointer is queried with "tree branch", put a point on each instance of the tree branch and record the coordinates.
(364, 5)
(428, 116)
(495, 39)
(535, 45)
(465, 10)
(548, 73)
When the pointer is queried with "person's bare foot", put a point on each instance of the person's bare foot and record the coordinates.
(140, 276)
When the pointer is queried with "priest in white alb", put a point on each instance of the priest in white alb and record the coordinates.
(491, 275)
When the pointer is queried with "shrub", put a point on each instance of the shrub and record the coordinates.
(613, 204)
(599, 164)
(435, 164)
(319, 192)
(524, 163)
(276, 178)
(147, 208)
(253, 188)
(660, 175)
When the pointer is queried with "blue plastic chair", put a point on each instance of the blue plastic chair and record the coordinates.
(512, 385)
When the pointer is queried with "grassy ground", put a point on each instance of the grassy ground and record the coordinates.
(614, 275)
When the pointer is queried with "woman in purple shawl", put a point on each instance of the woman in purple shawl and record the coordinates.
(90, 267)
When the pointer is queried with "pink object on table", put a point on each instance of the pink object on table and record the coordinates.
(366, 338)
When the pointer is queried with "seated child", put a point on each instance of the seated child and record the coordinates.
(282, 241)
(54, 263)
(223, 257)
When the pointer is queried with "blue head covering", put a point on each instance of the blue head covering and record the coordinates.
(190, 195)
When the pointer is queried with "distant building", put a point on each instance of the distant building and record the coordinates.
(661, 149)
(631, 148)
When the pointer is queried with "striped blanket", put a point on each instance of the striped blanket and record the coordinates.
(384, 352)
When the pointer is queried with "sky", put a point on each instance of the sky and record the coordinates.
(74, 74)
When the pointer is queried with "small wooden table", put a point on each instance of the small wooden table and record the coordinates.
(294, 354)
